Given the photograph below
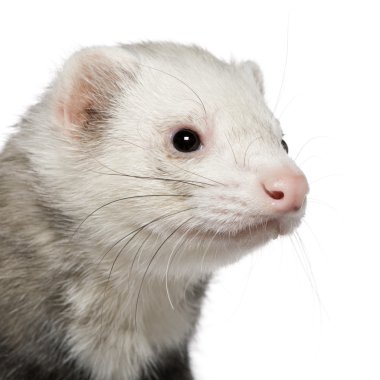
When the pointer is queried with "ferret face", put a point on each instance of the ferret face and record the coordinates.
(180, 152)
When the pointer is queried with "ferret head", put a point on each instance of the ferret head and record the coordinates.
(172, 151)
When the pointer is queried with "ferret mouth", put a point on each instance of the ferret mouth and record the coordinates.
(271, 229)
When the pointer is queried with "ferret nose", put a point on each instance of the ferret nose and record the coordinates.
(286, 190)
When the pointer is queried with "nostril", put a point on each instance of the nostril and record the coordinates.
(274, 194)
(284, 191)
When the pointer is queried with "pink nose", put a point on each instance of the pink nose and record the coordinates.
(286, 191)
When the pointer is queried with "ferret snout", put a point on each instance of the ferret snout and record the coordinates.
(285, 189)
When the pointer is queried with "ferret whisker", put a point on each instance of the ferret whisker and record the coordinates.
(110, 272)
(307, 143)
(281, 114)
(128, 142)
(313, 233)
(138, 253)
(135, 232)
(175, 249)
(193, 183)
(285, 67)
(306, 264)
(324, 177)
(171, 259)
(208, 246)
(301, 164)
(233, 153)
(177, 166)
(188, 241)
(246, 151)
(181, 81)
(323, 203)
(188, 284)
(150, 263)
(124, 199)
(143, 226)
(198, 175)
(115, 172)
(117, 242)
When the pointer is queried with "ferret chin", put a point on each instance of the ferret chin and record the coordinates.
(142, 170)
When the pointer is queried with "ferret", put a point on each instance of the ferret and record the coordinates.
(142, 169)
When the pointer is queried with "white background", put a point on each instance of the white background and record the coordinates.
(291, 311)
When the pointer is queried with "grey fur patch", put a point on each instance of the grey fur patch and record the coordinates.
(170, 365)
(22, 366)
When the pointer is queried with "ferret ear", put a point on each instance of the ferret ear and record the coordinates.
(253, 69)
(87, 87)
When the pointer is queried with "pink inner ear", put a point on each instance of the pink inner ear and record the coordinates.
(84, 105)
(83, 97)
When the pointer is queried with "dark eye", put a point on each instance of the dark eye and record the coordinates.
(285, 146)
(186, 141)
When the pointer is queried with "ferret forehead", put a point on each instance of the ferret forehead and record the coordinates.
(236, 121)
(180, 71)
(188, 82)
(172, 53)
(192, 65)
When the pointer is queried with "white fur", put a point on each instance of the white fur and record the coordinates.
(175, 86)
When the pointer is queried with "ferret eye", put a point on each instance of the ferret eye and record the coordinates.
(285, 146)
(186, 141)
